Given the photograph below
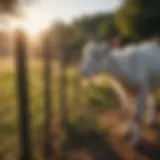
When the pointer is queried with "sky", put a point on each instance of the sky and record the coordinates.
(68, 9)
(44, 12)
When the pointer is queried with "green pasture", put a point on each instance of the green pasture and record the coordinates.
(84, 104)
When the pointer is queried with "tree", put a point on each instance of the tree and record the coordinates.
(107, 28)
(138, 18)
(148, 23)
(12, 7)
(98, 25)
(126, 17)
(8, 5)
(5, 43)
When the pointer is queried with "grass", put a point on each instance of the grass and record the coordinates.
(84, 104)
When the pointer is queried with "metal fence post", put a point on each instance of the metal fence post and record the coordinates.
(22, 86)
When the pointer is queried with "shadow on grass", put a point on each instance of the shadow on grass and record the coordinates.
(151, 151)
(88, 145)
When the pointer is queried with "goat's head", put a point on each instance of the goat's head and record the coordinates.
(94, 58)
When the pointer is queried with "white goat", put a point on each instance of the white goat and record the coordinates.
(134, 73)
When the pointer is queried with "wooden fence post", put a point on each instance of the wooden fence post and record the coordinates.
(49, 152)
(22, 86)
(63, 81)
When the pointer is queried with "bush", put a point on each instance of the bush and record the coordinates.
(101, 97)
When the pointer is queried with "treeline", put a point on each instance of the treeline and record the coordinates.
(135, 19)
(138, 19)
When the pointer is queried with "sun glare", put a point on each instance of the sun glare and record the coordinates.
(33, 23)
(31, 27)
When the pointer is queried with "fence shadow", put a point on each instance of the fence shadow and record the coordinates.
(151, 151)
(89, 146)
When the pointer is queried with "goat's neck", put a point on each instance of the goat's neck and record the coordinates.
(115, 69)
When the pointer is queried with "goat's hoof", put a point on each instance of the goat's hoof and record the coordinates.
(127, 135)
(152, 125)
(136, 145)
(139, 145)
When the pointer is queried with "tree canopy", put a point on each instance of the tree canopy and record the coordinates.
(12, 7)
(134, 20)
(138, 18)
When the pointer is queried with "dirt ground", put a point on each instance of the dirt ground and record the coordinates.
(114, 122)
(114, 146)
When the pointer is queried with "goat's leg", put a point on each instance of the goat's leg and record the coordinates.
(139, 111)
(130, 123)
(126, 104)
(128, 130)
(151, 111)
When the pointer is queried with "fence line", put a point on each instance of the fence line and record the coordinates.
(24, 107)
(22, 85)
(48, 100)
(63, 103)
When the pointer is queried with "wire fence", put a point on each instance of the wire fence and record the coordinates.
(32, 100)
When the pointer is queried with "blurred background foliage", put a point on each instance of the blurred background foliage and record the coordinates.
(134, 19)
(13, 8)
